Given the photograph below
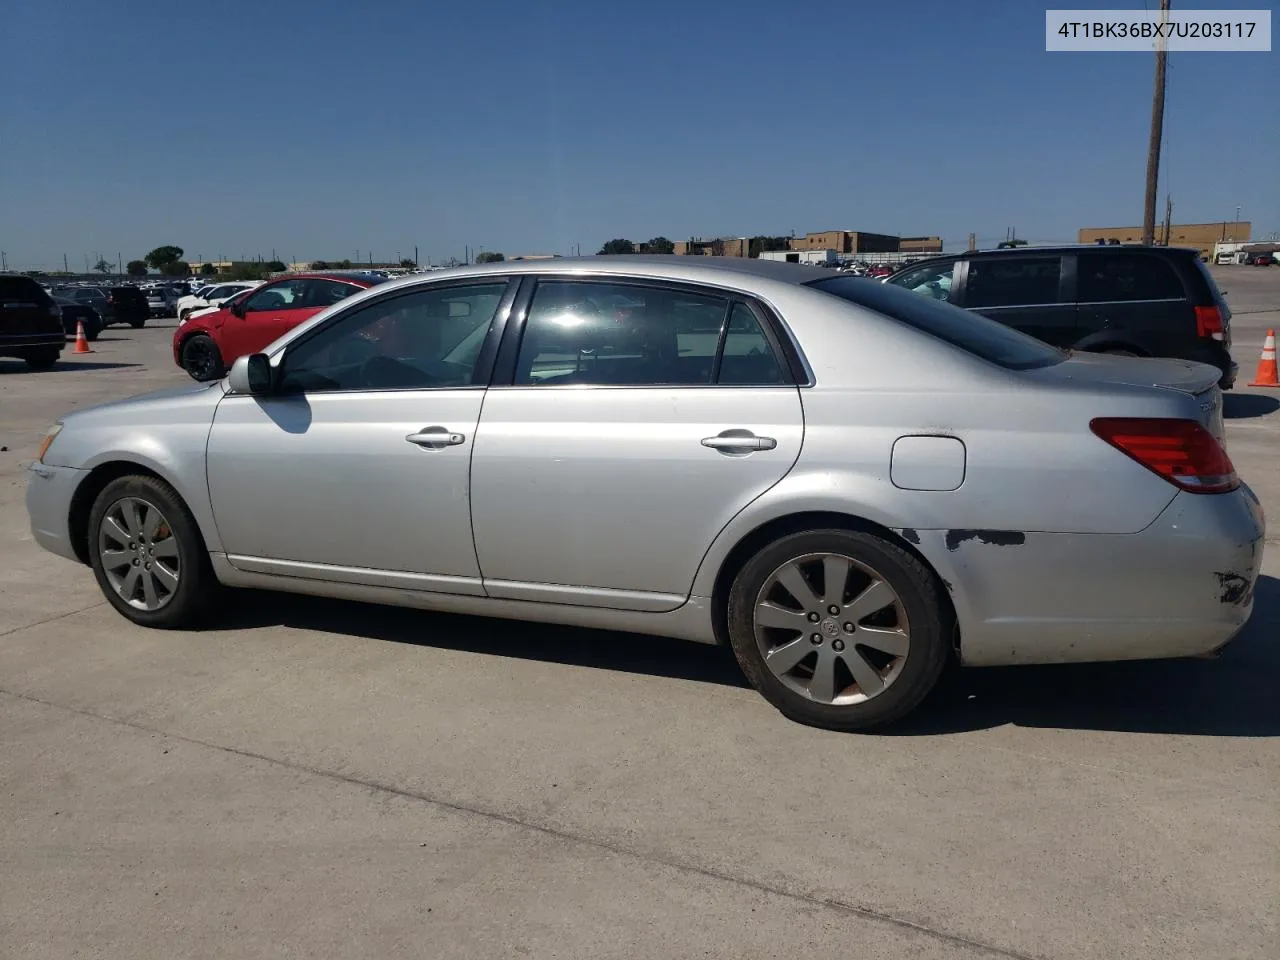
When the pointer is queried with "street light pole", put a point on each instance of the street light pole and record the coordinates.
(1157, 133)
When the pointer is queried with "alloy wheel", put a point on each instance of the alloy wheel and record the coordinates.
(831, 629)
(199, 358)
(139, 553)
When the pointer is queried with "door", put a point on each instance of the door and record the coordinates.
(275, 309)
(638, 420)
(1134, 301)
(1023, 292)
(356, 467)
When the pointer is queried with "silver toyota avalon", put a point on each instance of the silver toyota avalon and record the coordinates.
(844, 482)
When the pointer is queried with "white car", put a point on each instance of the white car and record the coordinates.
(211, 296)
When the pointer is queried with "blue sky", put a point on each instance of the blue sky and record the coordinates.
(321, 128)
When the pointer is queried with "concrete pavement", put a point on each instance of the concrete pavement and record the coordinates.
(310, 777)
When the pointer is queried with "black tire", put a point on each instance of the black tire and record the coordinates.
(198, 587)
(138, 323)
(201, 358)
(42, 359)
(92, 329)
(928, 612)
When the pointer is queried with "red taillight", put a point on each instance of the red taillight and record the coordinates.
(1209, 323)
(1181, 451)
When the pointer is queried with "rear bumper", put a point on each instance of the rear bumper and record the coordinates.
(1182, 587)
(49, 493)
(22, 344)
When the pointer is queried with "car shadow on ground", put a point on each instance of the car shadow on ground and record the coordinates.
(63, 365)
(1243, 406)
(1234, 695)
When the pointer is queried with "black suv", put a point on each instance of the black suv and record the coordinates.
(128, 305)
(1133, 301)
(30, 323)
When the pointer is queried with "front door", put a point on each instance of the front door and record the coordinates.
(633, 432)
(356, 467)
(1023, 292)
(275, 309)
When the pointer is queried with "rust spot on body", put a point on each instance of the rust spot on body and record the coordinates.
(1235, 588)
(996, 538)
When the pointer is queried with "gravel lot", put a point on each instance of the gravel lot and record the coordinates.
(324, 779)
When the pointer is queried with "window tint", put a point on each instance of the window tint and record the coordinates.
(614, 334)
(427, 339)
(277, 296)
(971, 332)
(325, 293)
(1125, 276)
(748, 356)
(932, 281)
(1012, 282)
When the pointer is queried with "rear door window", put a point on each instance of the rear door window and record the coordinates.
(1012, 281)
(1120, 277)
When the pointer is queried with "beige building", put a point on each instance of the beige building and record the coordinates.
(1201, 236)
(719, 247)
(919, 244)
(847, 241)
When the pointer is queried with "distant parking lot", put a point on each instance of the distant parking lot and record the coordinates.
(312, 777)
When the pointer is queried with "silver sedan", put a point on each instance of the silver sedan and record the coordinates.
(845, 483)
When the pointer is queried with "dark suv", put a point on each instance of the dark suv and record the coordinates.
(1133, 301)
(128, 305)
(30, 323)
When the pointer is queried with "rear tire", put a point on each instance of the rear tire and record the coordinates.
(138, 323)
(866, 665)
(182, 587)
(42, 359)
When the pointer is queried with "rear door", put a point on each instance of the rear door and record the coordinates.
(624, 429)
(1133, 299)
(1024, 292)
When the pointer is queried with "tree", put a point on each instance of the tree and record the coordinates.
(1008, 244)
(275, 266)
(407, 264)
(617, 246)
(136, 268)
(176, 268)
(160, 256)
(102, 266)
(761, 245)
(208, 270)
(658, 245)
(319, 264)
(490, 256)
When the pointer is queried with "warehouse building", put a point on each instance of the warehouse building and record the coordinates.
(1201, 236)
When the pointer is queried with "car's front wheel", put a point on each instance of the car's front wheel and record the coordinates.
(147, 553)
(201, 358)
(839, 629)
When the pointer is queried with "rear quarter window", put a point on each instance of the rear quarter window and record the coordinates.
(971, 332)
(1120, 277)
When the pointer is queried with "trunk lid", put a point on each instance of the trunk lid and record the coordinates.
(1199, 380)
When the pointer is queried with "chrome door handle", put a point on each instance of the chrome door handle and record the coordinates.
(739, 441)
(433, 438)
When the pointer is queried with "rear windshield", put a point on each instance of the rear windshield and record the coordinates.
(22, 289)
(971, 332)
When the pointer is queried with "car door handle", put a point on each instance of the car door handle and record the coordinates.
(738, 441)
(434, 438)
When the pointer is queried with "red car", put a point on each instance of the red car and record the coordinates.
(207, 345)
(1263, 260)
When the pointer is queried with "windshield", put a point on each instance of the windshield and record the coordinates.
(971, 332)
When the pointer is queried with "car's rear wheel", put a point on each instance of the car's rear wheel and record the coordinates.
(42, 359)
(839, 629)
(201, 358)
(148, 555)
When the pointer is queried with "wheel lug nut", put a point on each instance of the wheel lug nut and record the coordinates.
(813, 618)
(833, 609)
(135, 561)
(816, 638)
(837, 645)
(848, 628)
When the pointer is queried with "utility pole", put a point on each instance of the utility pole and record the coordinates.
(65, 268)
(973, 242)
(1157, 134)
(415, 254)
(4, 262)
(1168, 216)
(119, 264)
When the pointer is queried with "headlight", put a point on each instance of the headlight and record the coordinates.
(48, 441)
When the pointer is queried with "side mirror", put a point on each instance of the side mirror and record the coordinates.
(251, 375)
(236, 307)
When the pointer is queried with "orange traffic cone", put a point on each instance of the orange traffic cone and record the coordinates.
(1267, 365)
(82, 342)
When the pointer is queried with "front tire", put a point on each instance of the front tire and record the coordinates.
(839, 629)
(201, 358)
(148, 555)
